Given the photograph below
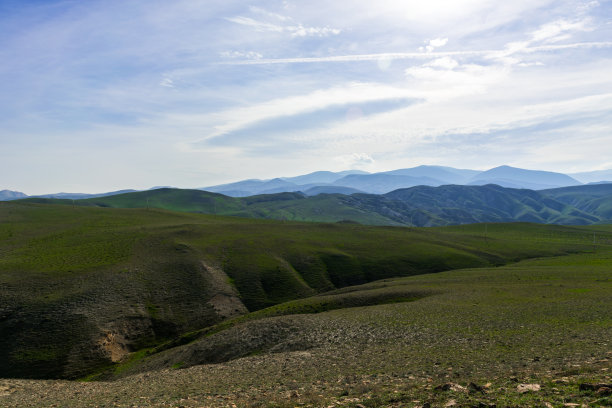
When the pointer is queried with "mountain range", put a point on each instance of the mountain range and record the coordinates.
(419, 196)
(384, 182)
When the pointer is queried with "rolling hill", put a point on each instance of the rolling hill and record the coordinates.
(83, 288)
(416, 206)
(594, 198)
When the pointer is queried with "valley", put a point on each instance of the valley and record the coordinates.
(161, 308)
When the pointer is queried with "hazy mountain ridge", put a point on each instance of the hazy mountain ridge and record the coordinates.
(387, 181)
(7, 195)
(513, 177)
(353, 181)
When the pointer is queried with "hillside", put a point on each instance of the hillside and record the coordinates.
(154, 300)
(594, 199)
(82, 287)
(489, 203)
(416, 206)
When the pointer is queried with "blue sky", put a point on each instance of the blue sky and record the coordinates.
(104, 95)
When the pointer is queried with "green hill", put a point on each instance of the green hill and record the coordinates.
(82, 287)
(594, 198)
(417, 206)
(280, 206)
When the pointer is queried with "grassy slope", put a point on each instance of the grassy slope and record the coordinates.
(595, 199)
(545, 321)
(71, 275)
(490, 203)
(281, 206)
(422, 206)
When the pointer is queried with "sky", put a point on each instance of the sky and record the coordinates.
(105, 95)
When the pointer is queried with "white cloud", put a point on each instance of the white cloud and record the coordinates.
(355, 160)
(257, 25)
(501, 54)
(559, 30)
(241, 118)
(298, 30)
(167, 82)
(586, 6)
(261, 11)
(301, 31)
(444, 62)
(251, 55)
(433, 44)
(541, 40)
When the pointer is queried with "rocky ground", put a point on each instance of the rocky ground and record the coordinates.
(310, 379)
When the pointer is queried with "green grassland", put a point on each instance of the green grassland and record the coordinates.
(398, 309)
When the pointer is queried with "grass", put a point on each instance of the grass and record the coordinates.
(69, 274)
(545, 321)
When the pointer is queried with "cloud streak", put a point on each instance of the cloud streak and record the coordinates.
(420, 55)
(298, 30)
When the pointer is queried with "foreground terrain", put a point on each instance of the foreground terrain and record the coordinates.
(542, 321)
(332, 323)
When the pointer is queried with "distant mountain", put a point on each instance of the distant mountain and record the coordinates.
(8, 195)
(444, 175)
(380, 183)
(513, 177)
(601, 182)
(281, 184)
(593, 176)
(252, 187)
(321, 177)
(384, 182)
(355, 181)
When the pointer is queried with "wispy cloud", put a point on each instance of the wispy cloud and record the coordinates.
(559, 30)
(251, 55)
(360, 161)
(266, 13)
(510, 50)
(294, 30)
